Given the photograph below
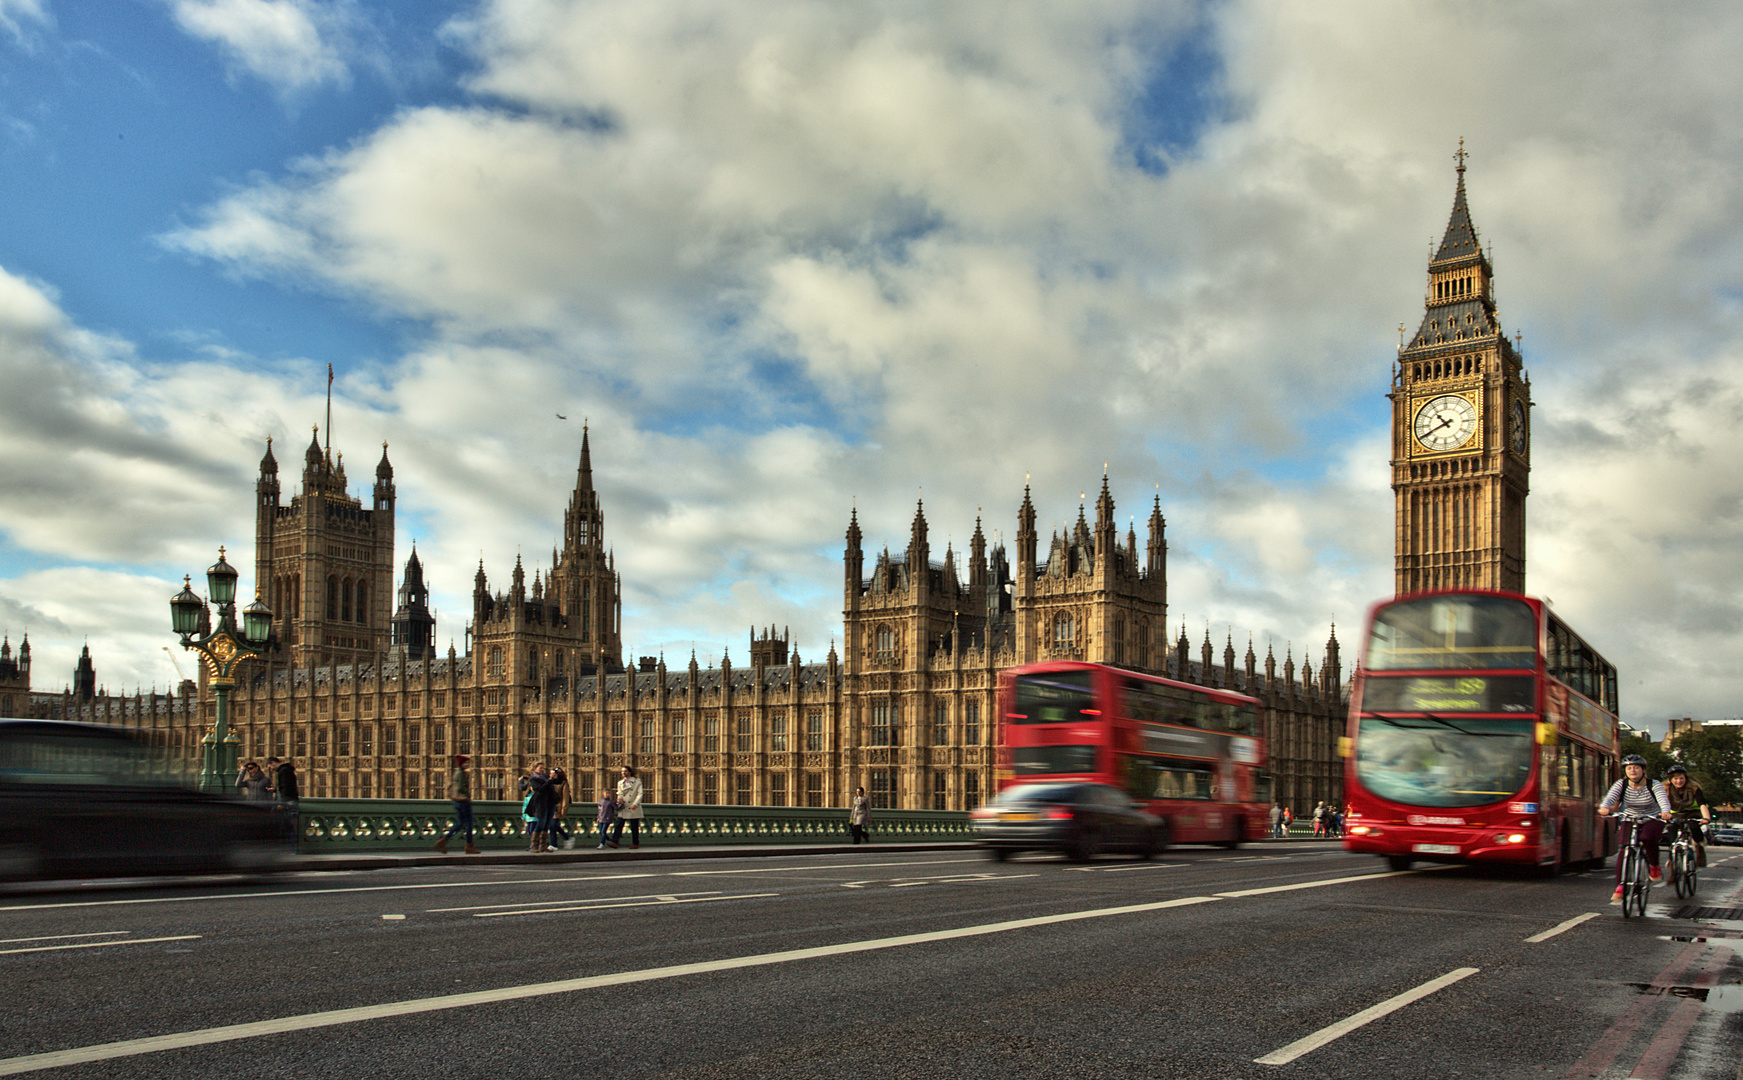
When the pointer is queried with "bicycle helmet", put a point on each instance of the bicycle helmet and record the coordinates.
(1634, 759)
(1674, 769)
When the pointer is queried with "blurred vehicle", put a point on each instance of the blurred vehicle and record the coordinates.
(85, 800)
(1726, 834)
(1081, 819)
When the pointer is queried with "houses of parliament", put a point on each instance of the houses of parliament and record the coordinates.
(354, 690)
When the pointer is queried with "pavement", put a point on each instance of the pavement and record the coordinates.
(388, 860)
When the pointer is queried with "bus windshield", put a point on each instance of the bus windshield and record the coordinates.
(1427, 761)
(1458, 632)
(1057, 697)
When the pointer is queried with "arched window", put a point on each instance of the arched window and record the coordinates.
(493, 667)
(1064, 631)
(332, 598)
(886, 643)
(362, 601)
(345, 600)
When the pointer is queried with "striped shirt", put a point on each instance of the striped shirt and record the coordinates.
(1640, 799)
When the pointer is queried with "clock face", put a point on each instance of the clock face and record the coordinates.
(1446, 422)
(1516, 427)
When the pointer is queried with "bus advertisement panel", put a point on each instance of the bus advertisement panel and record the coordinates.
(1190, 754)
(1481, 729)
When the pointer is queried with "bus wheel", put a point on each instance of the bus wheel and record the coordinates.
(998, 854)
(1398, 862)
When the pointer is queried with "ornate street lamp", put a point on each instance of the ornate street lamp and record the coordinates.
(222, 650)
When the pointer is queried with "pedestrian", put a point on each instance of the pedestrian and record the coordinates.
(859, 816)
(460, 793)
(1319, 821)
(629, 808)
(1276, 820)
(1288, 821)
(283, 777)
(607, 815)
(560, 809)
(536, 807)
(253, 783)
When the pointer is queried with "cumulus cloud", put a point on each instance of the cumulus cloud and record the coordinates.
(290, 44)
(793, 259)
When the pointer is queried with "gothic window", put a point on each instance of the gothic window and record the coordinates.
(366, 740)
(710, 732)
(616, 737)
(463, 738)
(886, 720)
(677, 739)
(493, 667)
(344, 740)
(530, 735)
(414, 740)
(814, 790)
(439, 739)
(587, 736)
(970, 791)
(746, 730)
(1064, 632)
(345, 600)
(883, 789)
(886, 644)
(362, 602)
(777, 789)
(940, 790)
(533, 663)
(649, 737)
(675, 788)
(332, 598)
(560, 737)
(941, 724)
(390, 740)
(741, 782)
(814, 730)
(971, 723)
(778, 734)
(711, 788)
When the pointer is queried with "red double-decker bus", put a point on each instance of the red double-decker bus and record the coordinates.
(1190, 754)
(1481, 729)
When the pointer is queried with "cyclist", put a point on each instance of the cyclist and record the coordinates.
(1636, 793)
(1689, 803)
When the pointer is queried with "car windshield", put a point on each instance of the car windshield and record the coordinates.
(1424, 761)
(1039, 793)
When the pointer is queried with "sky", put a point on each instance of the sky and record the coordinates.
(795, 260)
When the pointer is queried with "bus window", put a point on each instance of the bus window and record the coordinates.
(1167, 778)
(1045, 760)
(1057, 697)
(1453, 632)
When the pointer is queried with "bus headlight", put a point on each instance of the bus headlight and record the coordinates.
(1364, 830)
(1509, 838)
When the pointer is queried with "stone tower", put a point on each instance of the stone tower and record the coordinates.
(414, 626)
(325, 562)
(1461, 429)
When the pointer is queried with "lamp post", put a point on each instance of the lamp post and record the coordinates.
(223, 650)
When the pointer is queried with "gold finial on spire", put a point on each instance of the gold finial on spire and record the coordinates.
(1461, 155)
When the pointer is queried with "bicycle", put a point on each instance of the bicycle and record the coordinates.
(1684, 874)
(1636, 882)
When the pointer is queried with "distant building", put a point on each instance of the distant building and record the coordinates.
(361, 700)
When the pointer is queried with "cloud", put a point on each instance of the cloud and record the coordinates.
(290, 44)
(794, 260)
(16, 15)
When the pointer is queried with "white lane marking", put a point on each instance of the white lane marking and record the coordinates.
(813, 869)
(99, 944)
(1344, 1027)
(180, 1040)
(548, 903)
(500, 883)
(58, 937)
(393, 918)
(1312, 884)
(1560, 927)
(1133, 866)
(656, 902)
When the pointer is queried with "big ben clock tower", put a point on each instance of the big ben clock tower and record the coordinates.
(1461, 429)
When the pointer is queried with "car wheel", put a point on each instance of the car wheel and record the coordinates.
(1083, 847)
(1159, 839)
(998, 854)
(1398, 862)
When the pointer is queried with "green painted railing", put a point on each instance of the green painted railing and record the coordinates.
(334, 826)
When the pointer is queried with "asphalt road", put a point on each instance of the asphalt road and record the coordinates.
(1206, 963)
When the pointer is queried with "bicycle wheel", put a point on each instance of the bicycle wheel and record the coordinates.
(1687, 875)
(1632, 881)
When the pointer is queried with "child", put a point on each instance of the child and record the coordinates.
(607, 815)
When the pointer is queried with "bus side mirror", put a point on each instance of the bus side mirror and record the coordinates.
(1546, 735)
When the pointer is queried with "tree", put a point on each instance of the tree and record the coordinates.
(1656, 759)
(1714, 757)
